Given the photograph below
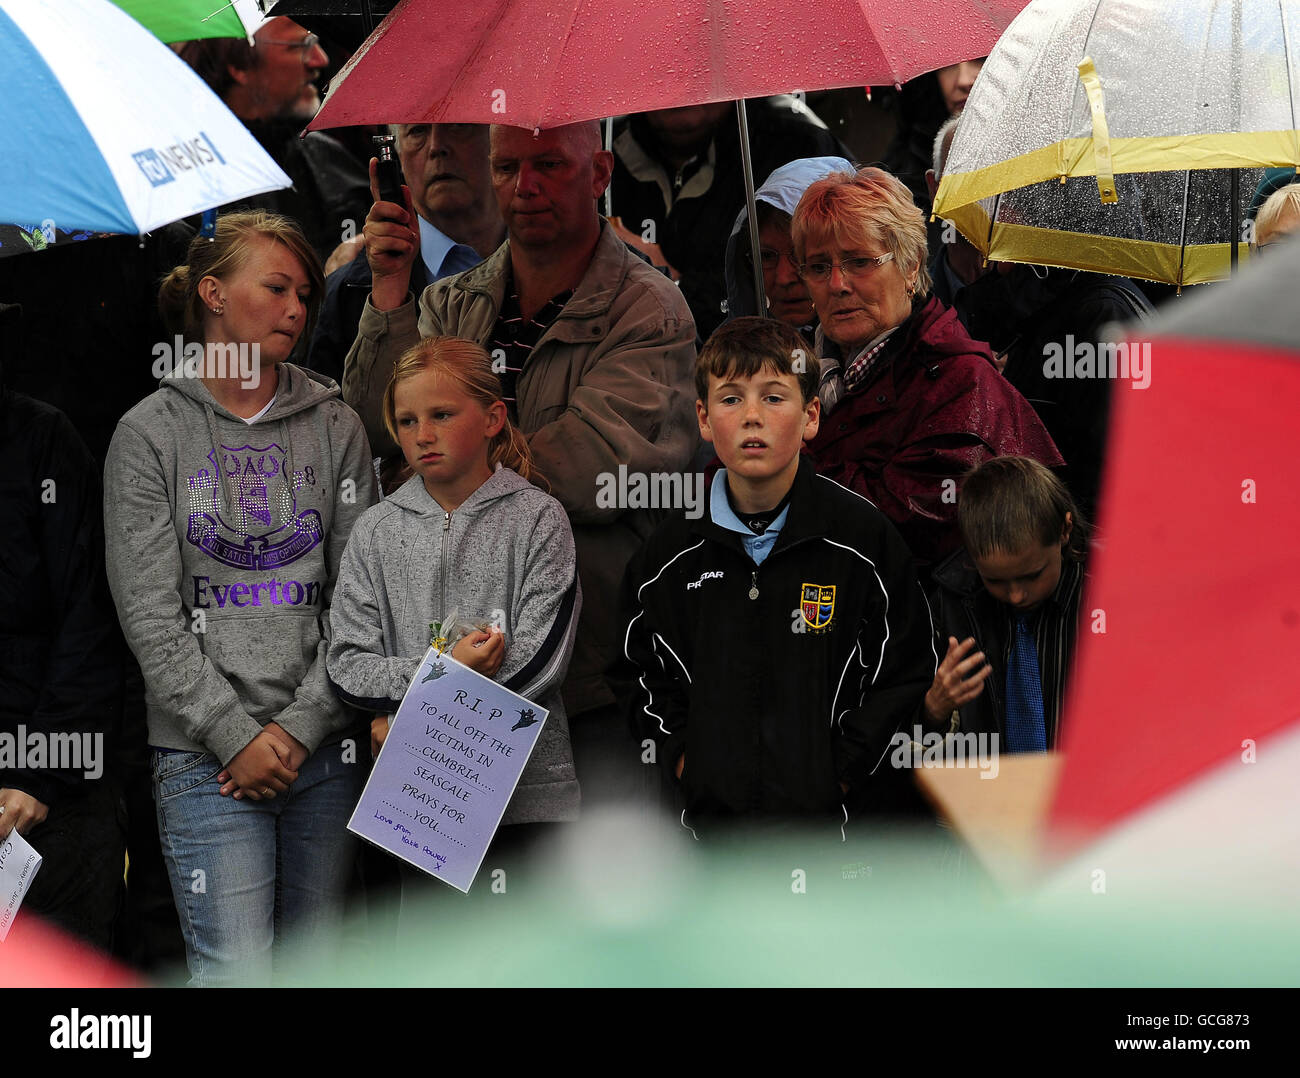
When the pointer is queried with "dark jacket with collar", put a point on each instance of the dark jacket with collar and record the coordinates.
(346, 290)
(774, 707)
(931, 409)
(963, 608)
(1021, 313)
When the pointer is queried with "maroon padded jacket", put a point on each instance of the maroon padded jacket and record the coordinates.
(933, 407)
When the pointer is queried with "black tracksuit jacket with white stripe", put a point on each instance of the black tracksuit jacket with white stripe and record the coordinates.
(774, 709)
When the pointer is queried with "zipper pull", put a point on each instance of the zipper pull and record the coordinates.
(753, 585)
(446, 522)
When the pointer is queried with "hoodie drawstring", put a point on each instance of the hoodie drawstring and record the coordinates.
(223, 484)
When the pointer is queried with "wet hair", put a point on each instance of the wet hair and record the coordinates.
(467, 364)
(1009, 503)
(744, 346)
(179, 302)
(868, 209)
(1282, 203)
(213, 57)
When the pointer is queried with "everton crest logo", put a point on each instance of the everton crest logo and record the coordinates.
(817, 604)
(262, 529)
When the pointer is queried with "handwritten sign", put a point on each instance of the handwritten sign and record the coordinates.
(453, 756)
(19, 864)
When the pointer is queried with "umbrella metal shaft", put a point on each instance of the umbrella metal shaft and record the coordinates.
(748, 165)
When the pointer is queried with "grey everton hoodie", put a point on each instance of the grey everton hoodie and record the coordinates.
(224, 541)
(507, 555)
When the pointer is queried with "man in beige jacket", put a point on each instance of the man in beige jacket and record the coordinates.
(596, 352)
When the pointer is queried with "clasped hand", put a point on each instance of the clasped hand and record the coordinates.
(265, 766)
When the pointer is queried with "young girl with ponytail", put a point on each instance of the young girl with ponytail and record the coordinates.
(466, 540)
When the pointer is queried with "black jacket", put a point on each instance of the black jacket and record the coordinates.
(693, 232)
(346, 291)
(1021, 313)
(330, 187)
(774, 711)
(963, 608)
(60, 652)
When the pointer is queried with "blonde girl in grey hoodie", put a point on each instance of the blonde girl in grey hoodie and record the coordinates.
(466, 537)
(228, 498)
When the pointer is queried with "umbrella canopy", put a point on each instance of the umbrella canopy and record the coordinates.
(539, 63)
(1194, 609)
(189, 20)
(104, 128)
(1104, 134)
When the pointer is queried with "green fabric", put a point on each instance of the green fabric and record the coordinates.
(621, 904)
(182, 20)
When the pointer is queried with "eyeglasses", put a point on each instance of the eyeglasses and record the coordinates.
(770, 258)
(849, 267)
(306, 44)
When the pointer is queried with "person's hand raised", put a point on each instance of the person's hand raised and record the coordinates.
(959, 679)
(392, 236)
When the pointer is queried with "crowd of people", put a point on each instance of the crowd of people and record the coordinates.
(894, 533)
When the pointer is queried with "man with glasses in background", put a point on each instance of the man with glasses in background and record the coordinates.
(271, 86)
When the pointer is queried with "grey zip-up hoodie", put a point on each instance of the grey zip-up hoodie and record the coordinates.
(223, 544)
(506, 554)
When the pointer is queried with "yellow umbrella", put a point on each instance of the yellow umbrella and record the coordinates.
(1126, 136)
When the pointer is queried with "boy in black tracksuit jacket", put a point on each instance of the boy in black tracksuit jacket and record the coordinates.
(780, 640)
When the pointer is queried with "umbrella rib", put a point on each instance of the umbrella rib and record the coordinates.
(1182, 234)
(1074, 93)
(565, 38)
(1286, 59)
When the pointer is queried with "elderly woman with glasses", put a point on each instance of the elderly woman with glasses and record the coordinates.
(910, 403)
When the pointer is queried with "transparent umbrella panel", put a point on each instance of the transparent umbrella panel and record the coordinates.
(1104, 134)
(1175, 227)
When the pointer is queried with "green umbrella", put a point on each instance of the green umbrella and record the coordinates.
(188, 20)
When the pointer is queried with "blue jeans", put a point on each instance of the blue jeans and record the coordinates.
(245, 872)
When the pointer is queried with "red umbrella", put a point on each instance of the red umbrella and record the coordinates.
(1193, 675)
(545, 63)
(38, 955)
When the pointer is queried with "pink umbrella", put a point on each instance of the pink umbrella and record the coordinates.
(544, 63)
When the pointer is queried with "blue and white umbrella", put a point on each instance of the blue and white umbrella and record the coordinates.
(103, 127)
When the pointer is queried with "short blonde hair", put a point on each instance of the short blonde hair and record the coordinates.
(869, 209)
(1282, 203)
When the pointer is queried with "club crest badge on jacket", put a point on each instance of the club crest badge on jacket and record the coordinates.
(817, 605)
(262, 529)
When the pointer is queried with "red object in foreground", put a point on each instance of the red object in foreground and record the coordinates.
(38, 955)
(1195, 580)
(543, 63)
